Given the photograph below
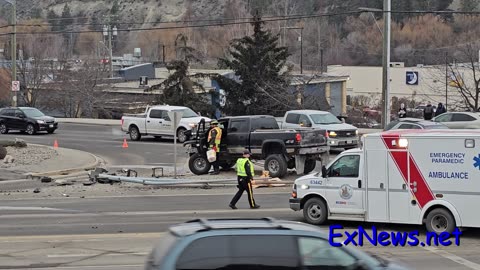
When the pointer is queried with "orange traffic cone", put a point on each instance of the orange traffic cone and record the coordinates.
(125, 144)
(55, 144)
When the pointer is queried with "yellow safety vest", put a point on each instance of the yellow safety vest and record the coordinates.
(241, 167)
(218, 138)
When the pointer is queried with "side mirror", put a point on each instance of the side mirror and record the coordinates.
(324, 171)
(308, 125)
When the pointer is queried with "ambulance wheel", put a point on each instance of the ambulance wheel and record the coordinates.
(440, 220)
(315, 211)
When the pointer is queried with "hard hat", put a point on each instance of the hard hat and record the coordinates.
(214, 122)
(246, 152)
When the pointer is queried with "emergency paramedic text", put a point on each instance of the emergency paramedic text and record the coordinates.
(448, 158)
(383, 238)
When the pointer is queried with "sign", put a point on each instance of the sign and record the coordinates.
(412, 78)
(15, 86)
(175, 117)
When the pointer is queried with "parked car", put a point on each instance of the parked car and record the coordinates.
(414, 123)
(459, 120)
(282, 149)
(265, 244)
(156, 122)
(27, 119)
(340, 135)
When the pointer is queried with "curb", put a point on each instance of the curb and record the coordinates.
(90, 166)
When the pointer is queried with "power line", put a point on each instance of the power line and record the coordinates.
(282, 18)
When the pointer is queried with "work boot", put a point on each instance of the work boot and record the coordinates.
(255, 207)
(215, 173)
(232, 206)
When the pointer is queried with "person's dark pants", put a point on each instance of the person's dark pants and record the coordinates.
(216, 166)
(244, 185)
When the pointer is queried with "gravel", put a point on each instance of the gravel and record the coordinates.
(29, 155)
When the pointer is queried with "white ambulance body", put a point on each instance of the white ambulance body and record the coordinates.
(429, 177)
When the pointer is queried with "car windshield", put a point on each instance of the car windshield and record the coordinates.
(33, 112)
(188, 113)
(325, 119)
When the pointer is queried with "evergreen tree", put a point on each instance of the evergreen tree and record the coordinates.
(53, 19)
(67, 19)
(258, 62)
(469, 5)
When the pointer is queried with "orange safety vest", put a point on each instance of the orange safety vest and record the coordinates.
(217, 138)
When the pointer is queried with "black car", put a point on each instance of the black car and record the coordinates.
(27, 119)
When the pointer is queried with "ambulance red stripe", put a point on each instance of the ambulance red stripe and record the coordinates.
(403, 159)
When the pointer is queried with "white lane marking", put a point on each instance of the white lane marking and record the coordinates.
(31, 208)
(146, 195)
(147, 213)
(454, 258)
(112, 266)
(95, 254)
(84, 237)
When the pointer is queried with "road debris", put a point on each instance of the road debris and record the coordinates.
(37, 190)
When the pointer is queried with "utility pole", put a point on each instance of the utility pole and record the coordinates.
(301, 46)
(109, 32)
(110, 50)
(386, 63)
(446, 80)
(14, 49)
(301, 50)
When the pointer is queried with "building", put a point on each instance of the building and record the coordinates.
(420, 83)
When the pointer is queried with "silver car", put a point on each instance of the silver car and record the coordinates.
(414, 123)
(459, 120)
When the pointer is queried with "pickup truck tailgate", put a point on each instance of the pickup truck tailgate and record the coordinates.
(312, 137)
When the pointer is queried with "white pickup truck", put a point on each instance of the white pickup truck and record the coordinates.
(340, 135)
(156, 122)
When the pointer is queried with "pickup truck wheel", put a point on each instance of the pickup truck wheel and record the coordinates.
(181, 136)
(315, 211)
(199, 164)
(440, 220)
(30, 129)
(276, 165)
(310, 165)
(134, 133)
(3, 129)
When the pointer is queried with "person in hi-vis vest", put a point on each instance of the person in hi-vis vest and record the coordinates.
(214, 138)
(245, 173)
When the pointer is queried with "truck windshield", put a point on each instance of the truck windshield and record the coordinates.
(33, 112)
(188, 113)
(325, 119)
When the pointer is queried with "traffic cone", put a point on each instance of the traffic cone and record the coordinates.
(55, 144)
(125, 144)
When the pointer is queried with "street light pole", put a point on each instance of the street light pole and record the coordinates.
(386, 63)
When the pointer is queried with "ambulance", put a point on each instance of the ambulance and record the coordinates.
(425, 177)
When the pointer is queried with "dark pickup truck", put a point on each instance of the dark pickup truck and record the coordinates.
(282, 149)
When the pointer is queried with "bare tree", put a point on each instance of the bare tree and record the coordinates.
(82, 89)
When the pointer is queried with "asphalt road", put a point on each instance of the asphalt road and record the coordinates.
(118, 232)
(106, 142)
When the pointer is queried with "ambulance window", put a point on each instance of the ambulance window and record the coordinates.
(346, 166)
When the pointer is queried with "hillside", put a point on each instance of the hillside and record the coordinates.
(340, 39)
